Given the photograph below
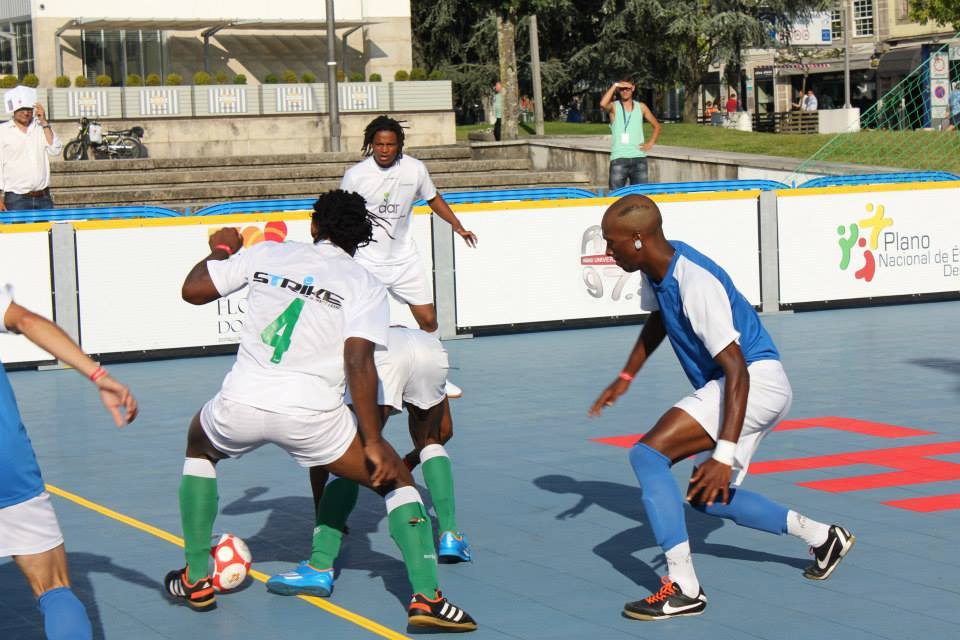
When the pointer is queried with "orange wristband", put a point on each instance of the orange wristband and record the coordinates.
(625, 376)
(225, 248)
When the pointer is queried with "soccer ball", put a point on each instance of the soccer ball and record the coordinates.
(231, 562)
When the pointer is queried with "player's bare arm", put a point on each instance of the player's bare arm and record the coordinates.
(652, 119)
(651, 336)
(361, 373)
(442, 209)
(711, 480)
(198, 288)
(45, 334)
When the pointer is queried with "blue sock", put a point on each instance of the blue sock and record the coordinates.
(749, 509)
(64, 616)
(661, 496)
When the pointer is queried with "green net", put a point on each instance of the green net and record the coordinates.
(904, 130)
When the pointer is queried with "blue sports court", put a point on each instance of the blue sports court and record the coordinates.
(548, 500)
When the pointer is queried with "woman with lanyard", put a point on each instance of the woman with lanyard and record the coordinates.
(628, 154)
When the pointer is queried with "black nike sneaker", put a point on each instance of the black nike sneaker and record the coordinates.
(669, 602)
(199, 595)
(827, 556)
(438, 612)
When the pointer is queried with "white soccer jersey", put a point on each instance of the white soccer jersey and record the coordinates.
(304, 301)
(390, 194)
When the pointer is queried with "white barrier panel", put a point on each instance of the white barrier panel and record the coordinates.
(868, 242)
(25, 263)
(545, 262)
(130, 273)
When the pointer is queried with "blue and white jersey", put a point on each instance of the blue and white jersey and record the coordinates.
(19, 473)
(703, 313)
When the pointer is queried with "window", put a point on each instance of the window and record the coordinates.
(863, 18)
(836, 23)
(23, 40)
(120, 53)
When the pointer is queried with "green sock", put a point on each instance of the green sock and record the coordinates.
(339, 499)
(411, 530)
(438, 474)
(198, 510)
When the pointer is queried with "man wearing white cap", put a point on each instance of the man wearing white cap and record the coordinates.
(26, 143)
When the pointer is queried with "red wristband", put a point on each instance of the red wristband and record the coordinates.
(225, 248)
(625, 376)
(98, 373)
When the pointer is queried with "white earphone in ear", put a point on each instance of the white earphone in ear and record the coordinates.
(637, 244)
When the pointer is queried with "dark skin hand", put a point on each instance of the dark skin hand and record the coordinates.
(712, 479)
(198, 288)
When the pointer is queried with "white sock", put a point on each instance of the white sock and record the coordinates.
(810, 531)
(680, 569)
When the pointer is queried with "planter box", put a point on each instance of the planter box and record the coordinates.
(158, 102)
(422, 95)
(86, 102)
(362, 96)
(290, 98)
(220, 100)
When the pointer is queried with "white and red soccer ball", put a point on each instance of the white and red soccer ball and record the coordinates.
(231, 562)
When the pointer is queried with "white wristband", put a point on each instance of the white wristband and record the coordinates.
(724, 451)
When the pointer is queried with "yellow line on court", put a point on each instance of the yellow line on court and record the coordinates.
(340, 612)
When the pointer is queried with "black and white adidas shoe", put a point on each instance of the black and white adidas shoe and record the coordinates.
(827, 556)
(669, 602)
(438, 612)
(199, 596)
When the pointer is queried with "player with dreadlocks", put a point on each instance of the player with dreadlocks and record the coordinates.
(391, 181)
(313, 318)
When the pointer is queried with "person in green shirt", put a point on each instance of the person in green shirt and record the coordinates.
(497, 109)
(628, 154)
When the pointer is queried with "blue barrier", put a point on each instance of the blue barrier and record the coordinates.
(87, 213)
(880, 178)
(257, 206)
(692, 187)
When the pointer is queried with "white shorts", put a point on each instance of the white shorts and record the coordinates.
(420, 380)
(767, 403)
(407, 281)
(29, 527)
(312, 440)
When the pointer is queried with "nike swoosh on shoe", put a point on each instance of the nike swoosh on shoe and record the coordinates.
(670, 610)
(826, 560)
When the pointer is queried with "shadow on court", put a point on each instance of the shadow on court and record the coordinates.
(946, 365)
(17, 600)
(286, 536)
(618, 550)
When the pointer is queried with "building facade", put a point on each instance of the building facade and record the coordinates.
(119, 38)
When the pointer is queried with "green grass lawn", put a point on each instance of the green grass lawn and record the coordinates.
(922, 150)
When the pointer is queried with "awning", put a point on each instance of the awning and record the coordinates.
(899, 62)
(174, 24)
(857, 63)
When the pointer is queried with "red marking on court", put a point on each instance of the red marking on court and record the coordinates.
(876, 429)
(620, 441)
(911, 463)
(929, 504)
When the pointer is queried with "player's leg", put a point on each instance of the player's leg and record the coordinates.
(30, 533)
(768, 403)
(676, 436)
(425, 427)
(198, 510)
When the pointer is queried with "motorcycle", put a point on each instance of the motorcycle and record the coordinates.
(106, 145)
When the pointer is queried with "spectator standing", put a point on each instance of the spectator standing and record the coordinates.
(732, 102)
(497, 109)
(809, 102)
(628, 154)
(26, 143)
(954, 107)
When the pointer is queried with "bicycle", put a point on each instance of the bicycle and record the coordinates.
(109, 145)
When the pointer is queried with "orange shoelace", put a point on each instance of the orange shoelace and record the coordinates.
(665, 592)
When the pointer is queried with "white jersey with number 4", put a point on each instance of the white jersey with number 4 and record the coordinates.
(390, 194)
(304, 301)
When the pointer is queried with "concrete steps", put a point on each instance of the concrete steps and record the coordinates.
(181, 183)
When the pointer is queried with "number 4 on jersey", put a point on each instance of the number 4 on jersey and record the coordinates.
(278, 333)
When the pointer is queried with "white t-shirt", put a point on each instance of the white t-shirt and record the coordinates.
(390, 194)
(304, 301)
(24, 157)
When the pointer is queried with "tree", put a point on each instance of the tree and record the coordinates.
(943, 12)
